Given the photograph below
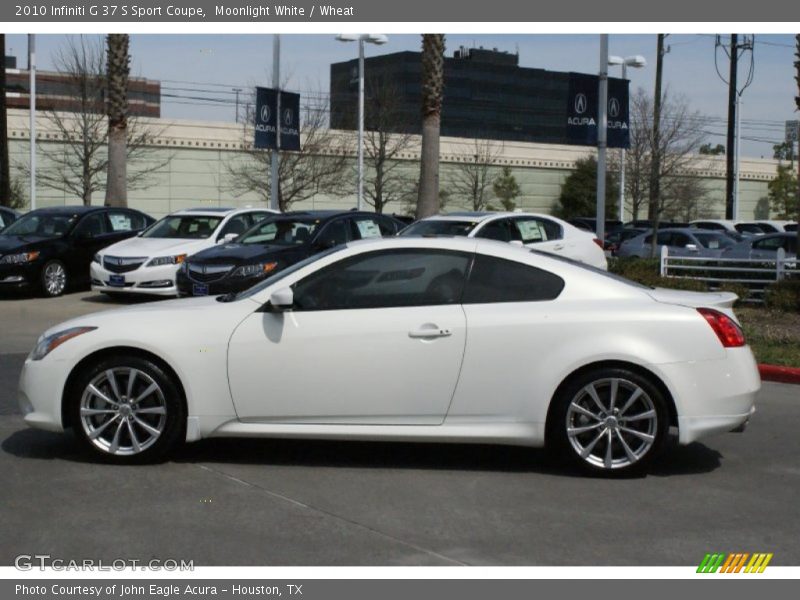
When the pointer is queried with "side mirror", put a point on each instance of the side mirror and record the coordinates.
(281, 300)
(516, 243)
(691, 247)
(227, 238)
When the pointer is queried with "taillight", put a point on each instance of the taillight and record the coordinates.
(598, 242)
(728, 332)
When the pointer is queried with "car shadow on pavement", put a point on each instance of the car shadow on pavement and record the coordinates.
(121, 300)
(693, 459)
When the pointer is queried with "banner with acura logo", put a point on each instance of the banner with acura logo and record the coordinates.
(582, 105)
(274, 118)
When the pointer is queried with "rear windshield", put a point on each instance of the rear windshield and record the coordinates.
(439, 227)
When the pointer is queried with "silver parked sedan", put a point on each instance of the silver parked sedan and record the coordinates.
(680, 242)
(764, 246)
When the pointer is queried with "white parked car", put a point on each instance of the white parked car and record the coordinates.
(406, 339)
(543, 232)
(149, 262)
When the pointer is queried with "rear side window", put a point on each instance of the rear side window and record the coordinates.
(122, 220)
(534, 230)
(372, 227)
(498, 280)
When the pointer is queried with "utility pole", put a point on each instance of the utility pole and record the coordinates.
(274, 184)
(602, 129)
(730, 154)
(237, 90)
(655, 163)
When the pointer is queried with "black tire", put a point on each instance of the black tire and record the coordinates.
(625, 432)
(171, 423)
(54, 279)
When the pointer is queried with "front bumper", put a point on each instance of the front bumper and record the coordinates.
(156, 281)
(40, 391)
(19, 276)
(189, 287)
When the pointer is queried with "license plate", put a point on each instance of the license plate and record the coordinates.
(199, 289)
(116, 280)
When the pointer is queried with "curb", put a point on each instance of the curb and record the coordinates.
(779, 374)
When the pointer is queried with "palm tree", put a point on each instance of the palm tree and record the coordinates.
(117, 71)
(432, 92)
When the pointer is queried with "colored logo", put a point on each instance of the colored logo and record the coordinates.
(736, 562)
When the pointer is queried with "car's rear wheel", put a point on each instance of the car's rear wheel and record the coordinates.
(610, 421)
(54, 278)
(126, 409)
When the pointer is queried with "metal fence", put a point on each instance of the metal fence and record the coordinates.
(756, 274)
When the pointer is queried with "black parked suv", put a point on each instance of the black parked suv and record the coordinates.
(51, 249)
(274, 244)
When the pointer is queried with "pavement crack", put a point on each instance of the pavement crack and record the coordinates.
(332, 515)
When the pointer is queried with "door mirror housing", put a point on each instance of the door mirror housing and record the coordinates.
(227, 238)
(691, 247)
(280, 300)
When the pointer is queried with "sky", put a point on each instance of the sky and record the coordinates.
(196, 68)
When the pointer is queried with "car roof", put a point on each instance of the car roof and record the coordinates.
(219, 211)
(480, 216)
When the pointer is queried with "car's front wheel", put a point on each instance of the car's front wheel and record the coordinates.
(54, 278)
(127, 409)
(609, 421)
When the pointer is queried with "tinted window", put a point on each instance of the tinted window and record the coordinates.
(236, 225)
(772, 243)
(122, 220)
(440, 227)
(498, 230)
(384, 280)
(334, 234)
(183, 227)
(680, 240)
(497, 280)
(94, 225)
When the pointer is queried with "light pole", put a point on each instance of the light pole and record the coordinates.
(370, 38)
(637, 62)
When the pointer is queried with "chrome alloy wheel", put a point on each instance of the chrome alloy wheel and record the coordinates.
(55, 279)
(611, 423)
(123, 411)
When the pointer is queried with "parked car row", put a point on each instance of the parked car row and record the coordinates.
(198, 252)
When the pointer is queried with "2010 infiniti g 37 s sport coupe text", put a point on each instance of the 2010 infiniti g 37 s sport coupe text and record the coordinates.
(494, 343)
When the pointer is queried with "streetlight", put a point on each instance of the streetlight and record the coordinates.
(369, 38)
(637, 62)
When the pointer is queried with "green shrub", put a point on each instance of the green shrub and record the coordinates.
(784, 295)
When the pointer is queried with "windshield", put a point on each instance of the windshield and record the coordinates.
(190, 227)
(286, 272)
(280, 233)
(41, 225)
(439, 227)
(713, 241)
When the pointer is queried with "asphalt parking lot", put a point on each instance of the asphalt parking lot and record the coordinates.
(268, 502)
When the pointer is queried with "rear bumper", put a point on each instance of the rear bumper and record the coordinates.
(713, 396)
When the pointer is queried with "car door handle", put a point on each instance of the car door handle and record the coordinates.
(429, 331)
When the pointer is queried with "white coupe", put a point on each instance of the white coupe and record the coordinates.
(414, 339)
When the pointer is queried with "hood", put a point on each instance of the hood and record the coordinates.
(151, 247)
(11, 244)
(241, 253)
(721, 301)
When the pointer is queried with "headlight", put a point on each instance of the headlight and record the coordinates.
(261, 269)
(166, 260)
(18, 259)
(46, 344)
(96, 258)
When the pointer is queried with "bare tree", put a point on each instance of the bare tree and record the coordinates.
(472, 176)
(118, 65)
(318, 168)
(675, 148)
(77, 162)
(384, 181)
(432, 94)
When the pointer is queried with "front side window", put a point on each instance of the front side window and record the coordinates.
(498, 280)
(122, 220)
(772, 243)
(372, 227)
(93, 225)
(236, 225)
(500, 230)
(335, 233)
(385, 279)
(191, 227)
(284, 232)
